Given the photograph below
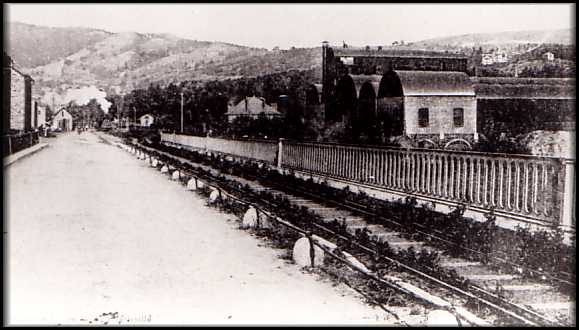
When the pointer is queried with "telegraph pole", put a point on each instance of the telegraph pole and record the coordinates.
(121, 110)
(181, 112)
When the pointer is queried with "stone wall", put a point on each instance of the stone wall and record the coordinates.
(17, 100)
(6, 100)
(440, 111)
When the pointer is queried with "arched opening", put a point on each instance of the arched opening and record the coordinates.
(390, 85)
(312, 95)
(365, 123)
(458, 144)
(426, 143)
(313, 109)
(345, 100)
(390, 106)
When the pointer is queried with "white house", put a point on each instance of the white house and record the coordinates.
(252, 107)
(146, 120)
(501, 57)
(63, 120)
(41, 115)
(488, 59)
(549, 56)
(494, 57)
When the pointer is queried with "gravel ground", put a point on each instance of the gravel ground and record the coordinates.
(96, 236)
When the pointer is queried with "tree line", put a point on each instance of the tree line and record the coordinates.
(205, 104)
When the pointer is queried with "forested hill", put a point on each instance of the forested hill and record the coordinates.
(72, 57)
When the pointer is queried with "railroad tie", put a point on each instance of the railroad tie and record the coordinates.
(490, 277)
(527, 287)
(458, 264)
(383, 236)
(353, 228)
(570, 305)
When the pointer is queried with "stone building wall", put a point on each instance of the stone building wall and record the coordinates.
(440, 110)
(17, 100)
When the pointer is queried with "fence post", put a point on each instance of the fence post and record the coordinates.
(279, 153)
(10, 145)
(568, 200)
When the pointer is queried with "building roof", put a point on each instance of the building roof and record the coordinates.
(147, 114)
(252, 106)
(64, 113)
(525, 88)
(413, 53)
(425, 83)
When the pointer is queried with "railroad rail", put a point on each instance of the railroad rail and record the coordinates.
(499, 305)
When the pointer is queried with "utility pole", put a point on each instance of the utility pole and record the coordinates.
(181, 112)
(121, 111)
(135, 116)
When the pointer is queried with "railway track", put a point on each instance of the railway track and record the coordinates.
(523, 307)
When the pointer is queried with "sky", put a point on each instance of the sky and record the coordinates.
(299, 25)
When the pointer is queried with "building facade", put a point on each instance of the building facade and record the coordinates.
(252, 107)
(40, 114)
(549, 56)
(62, 120)
(428, 98)
(146, 120)
(19, 114)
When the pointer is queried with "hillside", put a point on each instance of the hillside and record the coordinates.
(493, 40)
(72, 58)
(63, 58)
(25, 41)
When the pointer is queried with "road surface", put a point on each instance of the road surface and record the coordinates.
(91, 230)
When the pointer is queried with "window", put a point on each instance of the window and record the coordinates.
(423, 117)
(458, 116)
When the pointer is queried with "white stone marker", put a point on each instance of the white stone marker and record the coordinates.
(191, 184)
(301, 253)
(441, 317)
(164, 169)
(249, 218)
(200, 184)
(213, 196)
(154, 162)
(176, 175)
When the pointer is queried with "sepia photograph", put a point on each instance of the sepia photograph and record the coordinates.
(236, 164)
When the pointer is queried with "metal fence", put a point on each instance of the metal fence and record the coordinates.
(17, 142)
(539, 188)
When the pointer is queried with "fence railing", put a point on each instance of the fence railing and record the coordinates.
(265, 151)
(539, 188)
(17, 142)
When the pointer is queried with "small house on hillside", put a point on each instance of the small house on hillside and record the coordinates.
(63, 120)
(252, 107)
(549, 56)
(146, 120)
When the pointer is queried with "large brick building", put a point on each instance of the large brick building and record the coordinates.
(19, 113)
(423, 95)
